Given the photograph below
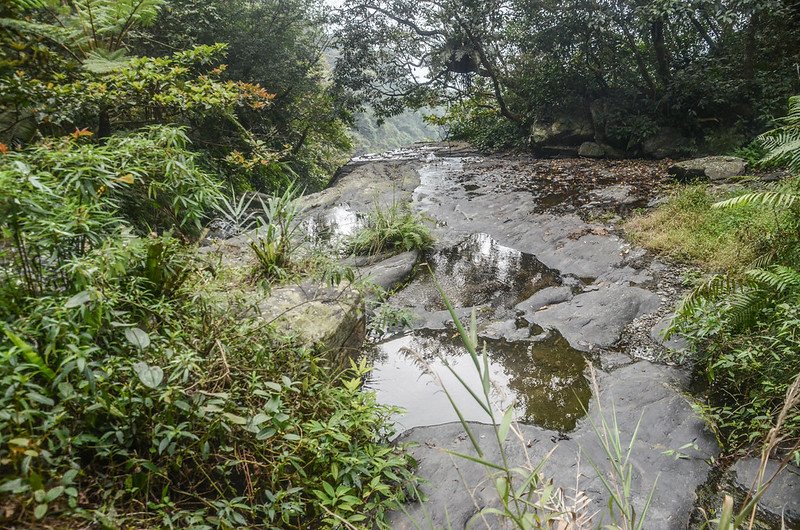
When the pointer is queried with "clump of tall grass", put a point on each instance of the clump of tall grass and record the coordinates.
(392, 229)
(687, 228)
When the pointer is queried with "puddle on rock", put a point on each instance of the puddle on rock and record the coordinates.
(543, 380)
(478, 271)
(333, 226)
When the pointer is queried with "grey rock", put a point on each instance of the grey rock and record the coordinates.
(775, 176)
(597, 318)
(591, 150)
(708, 168)
(391, 272)
(617, 193)
(330, 319)
(543, 298)
(782, 497)
(642, 390)
(564, 130)
(368, 185)
(599, 150)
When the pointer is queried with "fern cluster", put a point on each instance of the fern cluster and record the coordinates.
(783, 143)
(746, 325)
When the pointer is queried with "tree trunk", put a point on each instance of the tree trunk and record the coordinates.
(104, 128)
(660, 47)
(751, 48)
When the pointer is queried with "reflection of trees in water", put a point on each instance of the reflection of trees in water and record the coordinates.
(546, 378)
(479, 271)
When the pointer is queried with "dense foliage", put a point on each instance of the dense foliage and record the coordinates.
(140, 386)
(279, 45)
(716, 71)
(744, 323)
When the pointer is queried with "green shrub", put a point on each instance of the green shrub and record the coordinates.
(130, 400)
(745, 324)
(477, 122)
(394, 229)
(133, 397)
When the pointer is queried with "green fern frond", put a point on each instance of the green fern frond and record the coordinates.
(783, 143)
(779, 278)
(741, 300)
(780, 199)
(20, 6)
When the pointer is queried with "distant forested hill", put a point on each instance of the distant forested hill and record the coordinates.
(395, 131)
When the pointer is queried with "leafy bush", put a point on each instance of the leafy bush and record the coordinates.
(478, 123)
(395, 229)
(170, 416)
(746, 325)
(133, 396)
(148, 177)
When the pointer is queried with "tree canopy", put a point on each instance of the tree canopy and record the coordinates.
(701, 65)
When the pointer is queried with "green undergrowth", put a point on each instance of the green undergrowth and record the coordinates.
(135, 395)
(741, 317)
(688, 229)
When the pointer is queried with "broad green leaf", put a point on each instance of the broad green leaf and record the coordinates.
(150, 376)
(31, 355)
(505, 424)
(138, 337)
(233, 418)
(78, 300)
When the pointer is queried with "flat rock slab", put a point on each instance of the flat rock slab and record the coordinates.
(783, 496)
(597, 318)
(379, 183)
(642, 394)
(708, 168)
(326, 318)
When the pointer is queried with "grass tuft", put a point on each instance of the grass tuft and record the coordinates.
(394, 229)
(687, 228)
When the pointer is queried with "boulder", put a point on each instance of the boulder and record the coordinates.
(668, 142)
(591, 150)
(329, 319)
(708, 168)
(782, 498)
(391, 272)
(568, 130)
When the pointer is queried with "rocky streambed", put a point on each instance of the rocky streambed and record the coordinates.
(535, 249)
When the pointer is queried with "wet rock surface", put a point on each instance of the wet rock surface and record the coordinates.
(458, 488)
(597, 318)
(533, 248)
